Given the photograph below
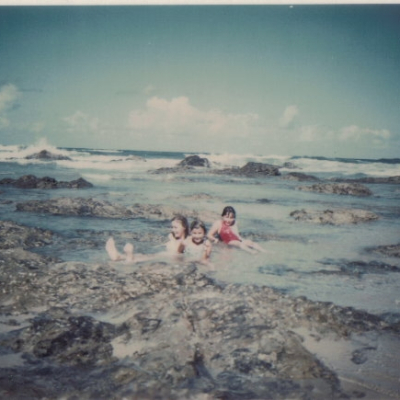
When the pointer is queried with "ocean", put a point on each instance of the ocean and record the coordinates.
(302, 259)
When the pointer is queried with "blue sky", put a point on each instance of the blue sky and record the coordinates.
(301, 80)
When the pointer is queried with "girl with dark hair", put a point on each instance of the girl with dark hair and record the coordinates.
(228, 232)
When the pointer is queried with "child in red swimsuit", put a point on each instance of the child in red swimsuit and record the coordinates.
(228, 232)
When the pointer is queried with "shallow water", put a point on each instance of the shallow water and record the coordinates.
(302, 258)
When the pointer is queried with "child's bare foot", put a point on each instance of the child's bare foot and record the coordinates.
(112, 250)
(128, 250)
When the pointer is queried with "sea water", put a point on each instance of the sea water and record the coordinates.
(302, 258)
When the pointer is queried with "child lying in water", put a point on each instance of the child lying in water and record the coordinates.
(174, 247)
(228, 232)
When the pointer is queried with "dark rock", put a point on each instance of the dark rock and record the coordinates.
(15, 235)
(251, 169)
(394, 180)
(32, 182)
(68, 339)
(172, 170)
(353, 189)
(334, 217)
(98, 208)
(358, 268)
(298, 176)
(47, 156)
(360, 356)
(194, 161)
(289, 165)
(392, 250)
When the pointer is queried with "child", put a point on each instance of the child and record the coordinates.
(228, 232)
(174, 246)
(197, 246)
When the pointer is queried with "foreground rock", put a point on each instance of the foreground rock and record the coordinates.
(162, 331)
(353, 189)
(47, 156)
(32, 182)
(99, 208)
(334, 217)
(176, 334)
(395, 180)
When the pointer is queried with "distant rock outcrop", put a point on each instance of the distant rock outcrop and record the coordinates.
(334, 217)
(47, 156)
(251, 170)
(353, 189)
(32, 182)
(194, 161)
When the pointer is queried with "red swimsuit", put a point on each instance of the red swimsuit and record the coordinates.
(226, 234)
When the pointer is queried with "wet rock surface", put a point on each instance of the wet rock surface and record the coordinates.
(32, 182)
(161, 331)
(251, 170)
(334, 217)
(299, 176)
(352, 189)
(46, 156)
(392, 250)
(393, 180)
(89, 207)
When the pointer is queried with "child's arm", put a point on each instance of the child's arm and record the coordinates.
(213, 231)
(207, 250)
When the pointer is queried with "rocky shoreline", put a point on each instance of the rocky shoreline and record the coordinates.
(162, 331)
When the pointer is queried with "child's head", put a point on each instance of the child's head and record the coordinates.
(229, 215)
(180, 226)
(198, 231)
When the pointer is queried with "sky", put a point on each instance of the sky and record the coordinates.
(312, 80)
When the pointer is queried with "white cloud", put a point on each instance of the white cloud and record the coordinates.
(179, 117)
(8, 95)
(81, 122)
(355, 133)
(288, 116)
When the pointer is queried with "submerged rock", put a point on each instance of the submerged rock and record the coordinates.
(334, 217)
(395, 180)
(392, 250)
(298, 176)
(89, 207)
(353, 189)
(47, 156)
(32, 182)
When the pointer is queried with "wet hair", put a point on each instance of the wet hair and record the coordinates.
(184, 222)
(228, 210)
(196, 224)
